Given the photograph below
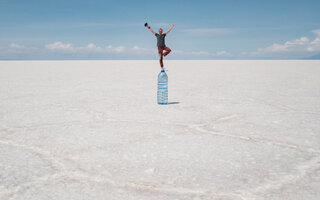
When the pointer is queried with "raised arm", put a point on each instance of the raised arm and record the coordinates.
(170, 29)
(146, 25)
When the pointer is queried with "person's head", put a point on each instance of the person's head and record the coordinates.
(160, 30)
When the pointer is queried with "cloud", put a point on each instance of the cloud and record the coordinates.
(219, 54)
(207, 31)
(200, 53)
(193, 53)
(16, 46)
(223, 53)
(92, 50)
(118, 49)
(69, 48)
(93, 47)
(59, 46)
(317, 32)
(140, 50)
(298, 48)
(17, 51)
(61, 50)
(136, 48)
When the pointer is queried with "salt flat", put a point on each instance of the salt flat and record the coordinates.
(92, 130)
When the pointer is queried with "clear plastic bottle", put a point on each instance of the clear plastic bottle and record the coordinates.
(162, 88)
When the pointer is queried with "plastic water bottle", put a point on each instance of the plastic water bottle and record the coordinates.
(162, 88)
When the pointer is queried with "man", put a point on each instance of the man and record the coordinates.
(161, 43)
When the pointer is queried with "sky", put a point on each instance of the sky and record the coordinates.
(204, 29)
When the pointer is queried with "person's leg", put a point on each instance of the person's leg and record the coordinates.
(167, 51)
(160, 51)
(161, 60)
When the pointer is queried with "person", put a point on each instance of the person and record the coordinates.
(161, 42)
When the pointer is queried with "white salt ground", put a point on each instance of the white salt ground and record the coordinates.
(74, 130)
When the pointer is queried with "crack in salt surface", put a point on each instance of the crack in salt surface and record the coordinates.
(63, 172)
(257, 139)
(199, 128)
(280, 106)
(11, 191)
(250, 193)
(283, 180)
(303, 170)
(97, 115)
(45, 154)
(35, 126)
(154, 188)
(241, 116)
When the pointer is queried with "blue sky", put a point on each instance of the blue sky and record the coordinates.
(204, 29)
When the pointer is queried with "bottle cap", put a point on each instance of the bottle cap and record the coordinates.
(162, 70)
